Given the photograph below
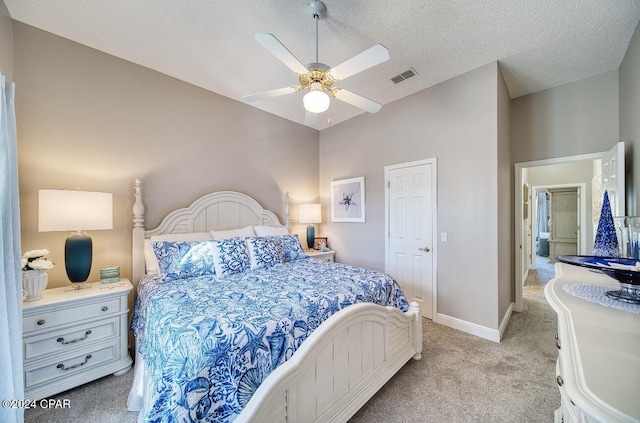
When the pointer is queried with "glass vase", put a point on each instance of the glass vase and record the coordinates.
(628, 232)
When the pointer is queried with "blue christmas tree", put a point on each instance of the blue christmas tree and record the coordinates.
(606, 243)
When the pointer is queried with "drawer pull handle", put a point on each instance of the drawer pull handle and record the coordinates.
(105, 308)
(560, 380)
(557, 341)
(63, 342)
(40, 322)
(62, 367)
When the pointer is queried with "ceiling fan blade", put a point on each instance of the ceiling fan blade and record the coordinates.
(357, 100)
(276, 48)
(365, 60)
(310, 118)
(271, 93)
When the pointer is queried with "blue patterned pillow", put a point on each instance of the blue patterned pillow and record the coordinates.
(230, 256)
(289, 247)
(179, 260)
(263, 252)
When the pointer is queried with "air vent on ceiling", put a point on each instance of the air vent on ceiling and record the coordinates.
(404, 75)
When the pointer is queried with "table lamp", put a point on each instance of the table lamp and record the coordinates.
(75, 211)
(310, 213)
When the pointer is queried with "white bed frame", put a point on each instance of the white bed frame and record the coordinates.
(344, 361)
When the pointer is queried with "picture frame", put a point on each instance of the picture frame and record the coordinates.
(319, 241)
(348, 200)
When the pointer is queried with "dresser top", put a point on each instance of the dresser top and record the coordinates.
(600, 347)
(67, 293)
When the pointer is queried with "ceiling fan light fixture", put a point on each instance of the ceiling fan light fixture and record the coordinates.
(316, 100)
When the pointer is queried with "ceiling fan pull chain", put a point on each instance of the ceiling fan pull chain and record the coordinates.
(316, 18)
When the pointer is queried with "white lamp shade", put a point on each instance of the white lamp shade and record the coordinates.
(310, 213)
(316, 100)
(66, 210)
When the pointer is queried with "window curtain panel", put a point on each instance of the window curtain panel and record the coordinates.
(543, 213)
(11, 382)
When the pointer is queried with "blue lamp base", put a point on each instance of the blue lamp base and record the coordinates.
(78, 250)
(311, 236)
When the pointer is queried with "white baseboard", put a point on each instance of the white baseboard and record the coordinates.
(505, 320)
(468, 327)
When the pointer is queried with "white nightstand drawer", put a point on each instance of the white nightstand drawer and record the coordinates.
(58, 342)
(321, 255)
(52, 318)
(69, 365)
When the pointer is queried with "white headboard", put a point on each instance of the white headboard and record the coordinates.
(221, 210)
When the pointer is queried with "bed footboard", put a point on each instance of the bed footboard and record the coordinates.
(339, 367)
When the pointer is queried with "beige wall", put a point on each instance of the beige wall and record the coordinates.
(91, 121)
(630, 119)
(456, 122)
(572, 119)
(504, 235)
(6, 42)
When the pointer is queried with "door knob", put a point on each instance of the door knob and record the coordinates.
(425, 249)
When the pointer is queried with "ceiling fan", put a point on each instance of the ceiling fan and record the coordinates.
(319, 78)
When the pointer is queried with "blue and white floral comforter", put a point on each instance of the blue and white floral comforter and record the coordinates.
(209, 341)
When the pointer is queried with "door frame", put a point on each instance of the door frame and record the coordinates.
(520, 278)
(434, 222)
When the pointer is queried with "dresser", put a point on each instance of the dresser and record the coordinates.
(321, 255)
(71, 337)
(598, 366)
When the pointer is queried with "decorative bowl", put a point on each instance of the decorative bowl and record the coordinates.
(625, 270)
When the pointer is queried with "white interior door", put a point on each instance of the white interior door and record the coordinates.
(613, 178)
(410, 224)
(564, 222)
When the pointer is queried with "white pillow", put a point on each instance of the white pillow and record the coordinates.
(150, 256)
(188, 237)
(234, 233)
(270, 230)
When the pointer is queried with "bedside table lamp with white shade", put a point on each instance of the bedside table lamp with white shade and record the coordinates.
(310, 213)
(75, 211)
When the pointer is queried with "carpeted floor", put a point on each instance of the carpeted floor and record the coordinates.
(461, 378)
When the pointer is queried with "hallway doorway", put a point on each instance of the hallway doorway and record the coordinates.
(604, 171)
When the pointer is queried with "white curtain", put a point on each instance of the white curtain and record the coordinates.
(11, 384)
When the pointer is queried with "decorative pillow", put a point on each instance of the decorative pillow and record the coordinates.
(234, 233)
(179, 260)
(264, 230)
(263, 252)
(230, 256)
(149, 255)
(289, 247)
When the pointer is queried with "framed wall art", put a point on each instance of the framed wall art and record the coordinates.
(347, 200)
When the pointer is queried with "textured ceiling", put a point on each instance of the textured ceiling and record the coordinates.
(538, 43)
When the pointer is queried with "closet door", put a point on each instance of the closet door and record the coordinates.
(564, 222)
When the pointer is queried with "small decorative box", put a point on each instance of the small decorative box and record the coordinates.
(110, 274)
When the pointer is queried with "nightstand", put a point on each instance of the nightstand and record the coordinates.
(321, 255)
(71, 337)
